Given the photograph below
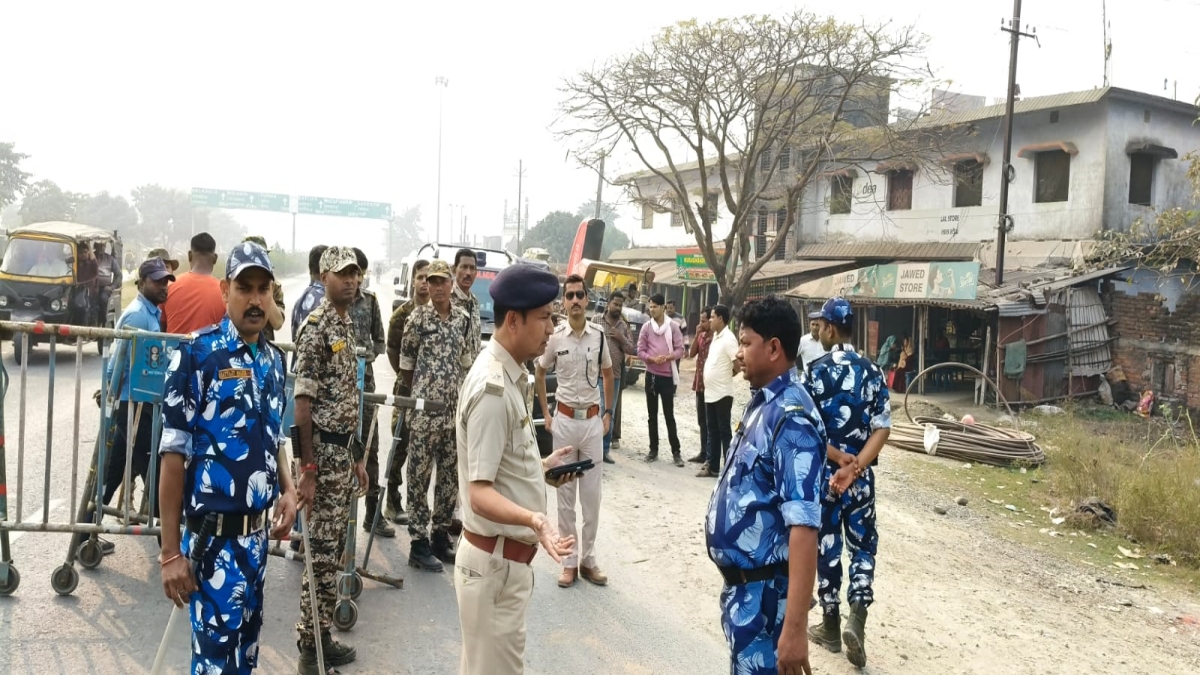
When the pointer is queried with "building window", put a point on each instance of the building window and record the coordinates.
(900, 183)
(1053, 176)
(785, 158)
(841, 194)
(764, 160)
(647, 217)
(676, 218)
(968, 183)
(780, 219)
(760, 241)
(1141, 178)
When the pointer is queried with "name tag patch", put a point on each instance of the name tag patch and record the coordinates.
(562, 352)
(233, 374)
(338, 346)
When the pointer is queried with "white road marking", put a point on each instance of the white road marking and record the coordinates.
(36, 517)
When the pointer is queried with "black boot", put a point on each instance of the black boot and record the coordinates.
(653, 456)
(307, 664)
(855, 635)
(382, 528)
(421, 557)
(336, 653)
(443, 548)
(828, 634)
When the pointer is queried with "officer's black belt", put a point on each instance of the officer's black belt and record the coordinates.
(736, 576)
(230, 524)
(341, 440)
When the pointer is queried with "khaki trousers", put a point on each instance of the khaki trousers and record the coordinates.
(493, 597)
(587, 437)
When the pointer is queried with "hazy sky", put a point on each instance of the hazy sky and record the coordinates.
(338, 100)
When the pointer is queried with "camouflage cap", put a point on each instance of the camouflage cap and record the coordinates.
(244, 256)
(261, 241)
(337, 258)
(837, 311)
(165, 256)
(439, 268)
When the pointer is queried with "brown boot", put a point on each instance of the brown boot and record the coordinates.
(567, 578)
(594, 575)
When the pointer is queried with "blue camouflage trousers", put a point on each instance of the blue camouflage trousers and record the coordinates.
(853, 512)
(226, 611)
(752, 618)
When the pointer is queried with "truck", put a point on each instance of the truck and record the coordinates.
(603, 278)
(488, 262)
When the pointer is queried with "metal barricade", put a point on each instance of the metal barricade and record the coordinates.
(144, 364)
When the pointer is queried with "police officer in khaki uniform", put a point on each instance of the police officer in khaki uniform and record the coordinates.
(579, 356)
(502, 478)
(327, 400)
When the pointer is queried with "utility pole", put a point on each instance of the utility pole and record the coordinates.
(520, 177)
(599, 187)
(1006, 170)
(441, 82)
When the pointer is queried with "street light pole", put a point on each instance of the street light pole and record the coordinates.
(441, 82)
(1006, 169)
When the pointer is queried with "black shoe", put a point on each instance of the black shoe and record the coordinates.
(397, 515)
(609, 460)
(678, 459)
(106, 546)
(854, 636)
(698, 459)
(443, 548)
(336, 653)
(382, 528)
(421, 556)
(652, 457)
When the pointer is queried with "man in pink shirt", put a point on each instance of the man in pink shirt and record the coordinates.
(195, 300)
(660, 345)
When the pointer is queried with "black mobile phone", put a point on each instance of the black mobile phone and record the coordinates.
(574, 467)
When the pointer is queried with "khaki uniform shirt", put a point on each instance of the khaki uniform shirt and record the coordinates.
(468, 303)
(327, 371)
(496, 441)
(578, 361)
(435, 350)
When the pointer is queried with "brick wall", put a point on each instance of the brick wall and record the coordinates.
(1157, 348)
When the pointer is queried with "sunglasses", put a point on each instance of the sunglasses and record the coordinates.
(575, 295)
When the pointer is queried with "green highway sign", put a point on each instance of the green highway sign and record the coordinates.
(207, 198)
(346, 208)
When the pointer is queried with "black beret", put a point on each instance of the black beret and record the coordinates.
(523, 287)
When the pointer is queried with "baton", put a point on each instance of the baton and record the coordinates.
(294, 432)
(207, 529)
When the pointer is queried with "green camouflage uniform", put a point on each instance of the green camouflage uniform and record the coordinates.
(277, 296)
(469, 304)
(395, 335)
(368, 333)
(437, 352)
(327, 373)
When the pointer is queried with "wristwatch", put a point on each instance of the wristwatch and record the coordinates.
(608, 412)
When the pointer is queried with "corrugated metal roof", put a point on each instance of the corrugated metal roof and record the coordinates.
(645, 254)
(1091, 351)
(1079, 279)
(907, 251)
(786, 268)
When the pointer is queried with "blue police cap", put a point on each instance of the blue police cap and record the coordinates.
(245, 256)
(837, 311)
(523, 287)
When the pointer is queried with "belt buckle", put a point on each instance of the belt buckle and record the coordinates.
(579, 413)
(245, 525)
(742, 574)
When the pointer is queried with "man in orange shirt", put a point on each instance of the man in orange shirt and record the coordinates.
(195, 301)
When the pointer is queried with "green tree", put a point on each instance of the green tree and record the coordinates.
(107, 212)
(45, 201)
(402, 235)
(223, 227)
(707, 109)
(166, 216)
(13, 180)
(614, 239)
(555, 233)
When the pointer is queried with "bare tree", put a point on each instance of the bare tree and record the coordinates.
(742, 113)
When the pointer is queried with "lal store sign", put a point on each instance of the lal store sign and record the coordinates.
(691, 265)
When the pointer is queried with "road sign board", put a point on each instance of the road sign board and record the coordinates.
(236, 199)
(346, 208)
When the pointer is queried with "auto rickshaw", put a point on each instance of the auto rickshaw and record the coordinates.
(49, 274)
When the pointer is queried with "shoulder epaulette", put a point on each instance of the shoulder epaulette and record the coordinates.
(495, 379)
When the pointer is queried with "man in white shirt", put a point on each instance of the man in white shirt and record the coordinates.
(810, 344)
(719, 369)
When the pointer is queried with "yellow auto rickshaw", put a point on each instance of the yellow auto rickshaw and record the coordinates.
(60, 272)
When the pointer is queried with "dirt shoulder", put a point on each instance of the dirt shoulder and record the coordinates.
(954, 593)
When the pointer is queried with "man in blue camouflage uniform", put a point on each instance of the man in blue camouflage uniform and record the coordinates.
(850, 393)
(225, 468)
(368, 334)
(313, 294)
(763, 516)
(434, 353)
(327, 403)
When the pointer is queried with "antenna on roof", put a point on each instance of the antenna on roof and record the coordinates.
(1107, 41)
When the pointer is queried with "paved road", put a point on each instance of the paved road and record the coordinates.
(114, 621)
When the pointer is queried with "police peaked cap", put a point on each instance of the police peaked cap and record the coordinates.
(521, 287)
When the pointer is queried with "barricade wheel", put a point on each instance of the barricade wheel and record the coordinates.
(345, 615)
(64, 580)
(351, 586)
(89, 554)
(14, 579)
